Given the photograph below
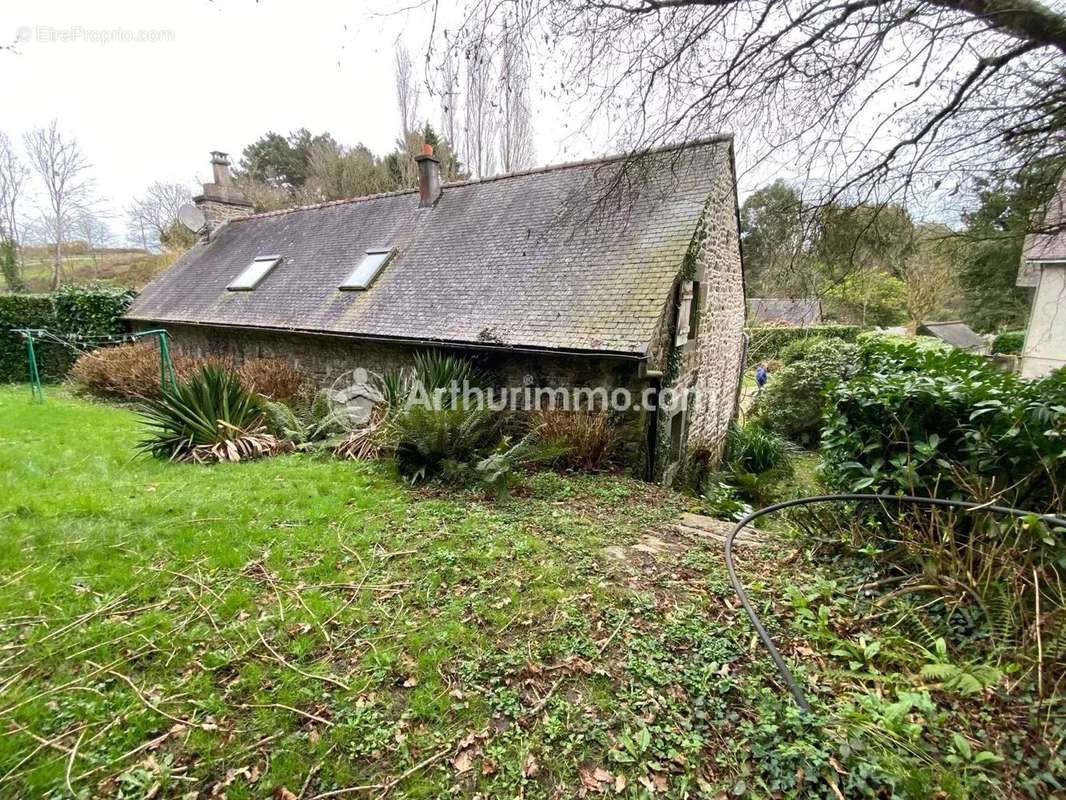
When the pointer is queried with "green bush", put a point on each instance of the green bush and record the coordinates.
(428, 440)
(793, 401)
(798, 349)
(766, 343)
(754, 449)
(75, 311)
(1009, 342)
(879, 352)
(956, 427)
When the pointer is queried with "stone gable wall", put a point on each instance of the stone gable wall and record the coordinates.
(709, 367)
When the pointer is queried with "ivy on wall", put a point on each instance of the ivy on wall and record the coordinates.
(69, 312)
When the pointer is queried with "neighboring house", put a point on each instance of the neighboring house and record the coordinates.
(784, 311)
(1043, 268)
(956, 333)
(551, 277)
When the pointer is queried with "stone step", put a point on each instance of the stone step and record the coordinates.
(703, 527)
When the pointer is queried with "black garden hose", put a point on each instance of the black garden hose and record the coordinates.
(782, 669)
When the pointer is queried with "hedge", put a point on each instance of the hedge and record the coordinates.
(765, 343)
(73, 311)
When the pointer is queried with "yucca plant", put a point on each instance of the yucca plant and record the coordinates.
(435, 371)
(208, 417)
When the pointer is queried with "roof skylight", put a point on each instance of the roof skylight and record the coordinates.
(363, 275)
(253, 273)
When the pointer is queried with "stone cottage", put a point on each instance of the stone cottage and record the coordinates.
(622, 273)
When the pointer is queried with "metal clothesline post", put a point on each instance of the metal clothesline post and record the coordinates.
(167, 379)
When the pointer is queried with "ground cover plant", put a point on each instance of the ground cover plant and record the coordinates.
(300, 625)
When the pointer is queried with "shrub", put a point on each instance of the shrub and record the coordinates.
(273, 378)
(585, 440)
(497, 471)
(799, 349)
(427, 440)
(793, 400)
(208, 417)
(126, 372)
(766, 342)
(1009, 342)
(880, 352)
(754, 449)
(949, 431)
(434, 371)
(723, 501)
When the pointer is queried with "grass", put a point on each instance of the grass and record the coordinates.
(299, 625)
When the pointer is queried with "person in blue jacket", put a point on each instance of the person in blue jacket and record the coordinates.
(761, 375)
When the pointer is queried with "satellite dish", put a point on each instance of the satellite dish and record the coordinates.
(192, 217)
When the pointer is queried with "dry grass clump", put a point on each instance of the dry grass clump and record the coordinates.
(589, 438)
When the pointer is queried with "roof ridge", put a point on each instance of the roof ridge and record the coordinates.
(715, 139)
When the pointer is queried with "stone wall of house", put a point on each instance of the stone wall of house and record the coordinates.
(706, 370)
(325, 358)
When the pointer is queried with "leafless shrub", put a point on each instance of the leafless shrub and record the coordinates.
(273, 378)
(126, 372)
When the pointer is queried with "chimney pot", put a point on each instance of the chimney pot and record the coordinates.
(220, 167)
(428, 176)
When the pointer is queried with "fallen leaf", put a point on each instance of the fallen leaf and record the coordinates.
(531, 767)
(463, 762)
(619, 783)
(411, 682)
(281, 793)
(588, 780)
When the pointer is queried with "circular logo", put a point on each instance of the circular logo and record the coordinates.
(353, 396)
(23, 34)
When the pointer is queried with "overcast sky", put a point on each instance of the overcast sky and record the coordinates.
(217, 77)
(149, 88)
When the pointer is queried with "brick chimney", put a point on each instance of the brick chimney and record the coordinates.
(221, 200)
(428, 176)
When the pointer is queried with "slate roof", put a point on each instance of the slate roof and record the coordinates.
(956, 333)
(802, 312)
(1048, 245)
(527, 260)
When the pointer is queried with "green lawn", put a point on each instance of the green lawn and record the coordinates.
(300, 625)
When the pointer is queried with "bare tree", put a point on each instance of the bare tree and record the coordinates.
(63, 169)
(481, 113)
(516, 120)
(13, 174)
(869, 99)
(91, 227)
(450, 110)
(152, 215)
(407, 90)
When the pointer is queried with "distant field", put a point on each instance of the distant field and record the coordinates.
(120, 267)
